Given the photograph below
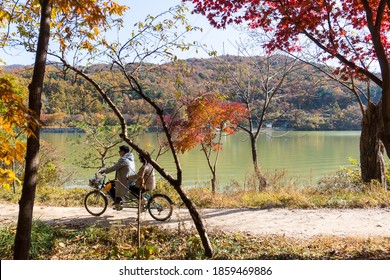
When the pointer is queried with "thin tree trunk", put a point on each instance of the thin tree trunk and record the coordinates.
(213, 184)
(176, 184)
(262, 182)
(372, 162)
(197, 219)
(139, 218)
(26, 203)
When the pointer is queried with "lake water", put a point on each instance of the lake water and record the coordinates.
(304, 155)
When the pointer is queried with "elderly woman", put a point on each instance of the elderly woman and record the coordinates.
(145, 179)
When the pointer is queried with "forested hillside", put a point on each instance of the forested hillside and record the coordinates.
(308, 99)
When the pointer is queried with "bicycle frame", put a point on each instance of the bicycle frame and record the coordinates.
(130, 200)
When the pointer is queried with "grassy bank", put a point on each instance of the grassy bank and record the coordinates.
(325, 196)
(118, 242)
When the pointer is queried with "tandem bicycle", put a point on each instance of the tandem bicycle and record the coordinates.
(159, 206)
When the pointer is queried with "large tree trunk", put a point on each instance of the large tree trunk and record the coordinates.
(26, 203)
(372, 162)
(386, 105)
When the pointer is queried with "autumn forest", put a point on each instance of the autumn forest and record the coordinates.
(308, 99)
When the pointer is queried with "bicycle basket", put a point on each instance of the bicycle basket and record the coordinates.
(95, 182)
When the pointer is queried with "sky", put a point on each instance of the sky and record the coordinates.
(221, 41)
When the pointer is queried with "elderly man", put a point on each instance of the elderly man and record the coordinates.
(124, 168)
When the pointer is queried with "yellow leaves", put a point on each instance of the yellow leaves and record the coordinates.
(158, 27)
(87, 45)
(105, 43)
(91, 12)
(80, 20)
(6, 185)
(5, 126)
(11, 150)
(13, 121)
(99, 116)
(114, 8)
(20, 149)
(7, 177)
(125, 247)
(4, 18)
(188, 28)
(96, 31)
(62, 44)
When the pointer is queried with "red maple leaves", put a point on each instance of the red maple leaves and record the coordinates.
(204, 119)
(345, 30)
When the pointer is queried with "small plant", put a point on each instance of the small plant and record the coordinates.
(194, 248)
(147, 252)
(42, 241)
(345, 178)
(7, 236)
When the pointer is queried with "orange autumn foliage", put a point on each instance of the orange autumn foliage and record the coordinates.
(206, 117)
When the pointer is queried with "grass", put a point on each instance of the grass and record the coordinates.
(42, 237)
(273, 197)
(340, 190)
(50, 196)
(119, 241)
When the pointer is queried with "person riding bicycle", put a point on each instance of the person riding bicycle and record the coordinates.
(145, 179)
(123, 168)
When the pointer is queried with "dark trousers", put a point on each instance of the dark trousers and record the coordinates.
(134, 190)
(112, 193)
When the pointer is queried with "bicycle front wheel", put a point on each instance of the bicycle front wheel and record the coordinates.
(160, 207)
(96, 203)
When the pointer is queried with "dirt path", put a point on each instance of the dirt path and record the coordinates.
(297, 223)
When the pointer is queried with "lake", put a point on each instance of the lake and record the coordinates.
(304, 155)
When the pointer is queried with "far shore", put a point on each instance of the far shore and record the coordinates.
(62, 130)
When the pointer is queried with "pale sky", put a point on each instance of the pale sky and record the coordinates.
(220, 40)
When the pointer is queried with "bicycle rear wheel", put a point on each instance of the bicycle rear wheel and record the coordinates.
(160, 207)
(96, 203)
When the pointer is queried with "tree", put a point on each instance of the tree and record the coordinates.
(372, 162)
(87, 17)
(153, 38)
(26, 202)
(257, 85)
(207, 119)
(355, 33)
(100, 138)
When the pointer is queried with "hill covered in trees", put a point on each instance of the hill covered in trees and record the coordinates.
(307, 100)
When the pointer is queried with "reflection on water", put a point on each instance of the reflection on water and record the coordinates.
(306, 155)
